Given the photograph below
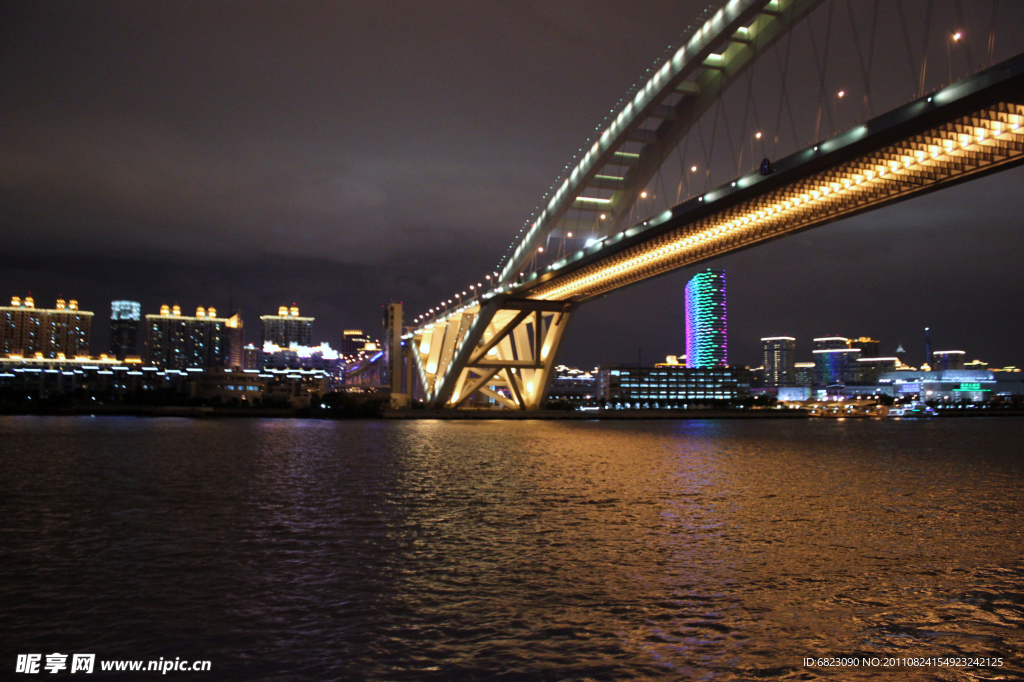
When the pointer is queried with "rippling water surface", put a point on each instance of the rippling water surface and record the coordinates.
(312, 550)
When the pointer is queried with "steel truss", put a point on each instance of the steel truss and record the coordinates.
(662, 112)
(983, 142)
(503, 350)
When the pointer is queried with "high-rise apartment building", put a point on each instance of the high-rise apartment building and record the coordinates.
(287, 327)
(706, 324)
(803, 373)
(353, 341)
(869, 348)
(831, 342)
(872, 368)
(125, 318)
(50, 332)
(836, 366)
(779, 360)
(176, 341)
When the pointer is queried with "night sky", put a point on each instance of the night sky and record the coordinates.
(338, 155)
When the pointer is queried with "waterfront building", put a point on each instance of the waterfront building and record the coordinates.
(125, 318)
(229, 385)
(353, 341)
(669, 385)
(61, 331)
(287, 327)
(803, 373)
(176, 341)
(321, 357)
(706, 321)
(574, 385)
(836, 366)
(789, 394)
(951, 385)
(148, 384)
(779, 361)
(947, 359)
(975, 364)
(869, 369)
(106, 376)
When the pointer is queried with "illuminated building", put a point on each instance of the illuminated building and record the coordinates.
(353, 341)
(321, 357)
(869, 348)
(572, 384)
(947, 359)
(125, 317)
(236, 341)
(62, 331)
(668, 385)
(706, 333)
(287, 327)
(176, 341)
(230, 385)
(803, 373)
(836, 366)
(250, 357)
(831, 342)
(951, 385)
(779, 360)
(869, 369)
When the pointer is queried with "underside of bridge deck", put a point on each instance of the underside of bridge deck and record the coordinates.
(501, 346)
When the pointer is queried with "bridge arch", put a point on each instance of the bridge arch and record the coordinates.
(500, 341)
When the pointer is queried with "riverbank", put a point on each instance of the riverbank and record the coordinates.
(220, 412)
(595, 414)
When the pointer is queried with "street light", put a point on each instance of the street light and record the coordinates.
(949, 58)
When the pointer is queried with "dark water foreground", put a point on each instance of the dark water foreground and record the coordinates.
(314, 550)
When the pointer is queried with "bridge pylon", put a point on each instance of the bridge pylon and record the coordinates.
(501, 350)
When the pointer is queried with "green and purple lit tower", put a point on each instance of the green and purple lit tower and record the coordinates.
(706, 337)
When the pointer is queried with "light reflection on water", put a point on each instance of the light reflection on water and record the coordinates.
(306, 550)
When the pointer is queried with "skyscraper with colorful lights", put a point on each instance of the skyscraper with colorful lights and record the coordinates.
(706, 335)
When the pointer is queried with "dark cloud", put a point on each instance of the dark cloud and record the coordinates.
(343, 154)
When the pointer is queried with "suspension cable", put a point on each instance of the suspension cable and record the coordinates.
(992, 33)
(924, 50)
(869, 107)
(906, 40)
(822, 66)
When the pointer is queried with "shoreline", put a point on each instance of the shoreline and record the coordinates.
(205, 412)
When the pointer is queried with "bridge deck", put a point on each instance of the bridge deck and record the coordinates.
(972, 128)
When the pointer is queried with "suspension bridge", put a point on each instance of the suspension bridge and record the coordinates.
(612, 221)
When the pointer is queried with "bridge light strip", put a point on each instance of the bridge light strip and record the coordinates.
(960, 140)
(791, 205)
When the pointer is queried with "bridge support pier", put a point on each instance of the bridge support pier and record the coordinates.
(503, 350)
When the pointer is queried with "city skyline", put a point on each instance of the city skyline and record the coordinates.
(101, 340)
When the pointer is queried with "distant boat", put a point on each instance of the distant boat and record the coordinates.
(912, 410)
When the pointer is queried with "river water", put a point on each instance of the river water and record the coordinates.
(430, 550)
